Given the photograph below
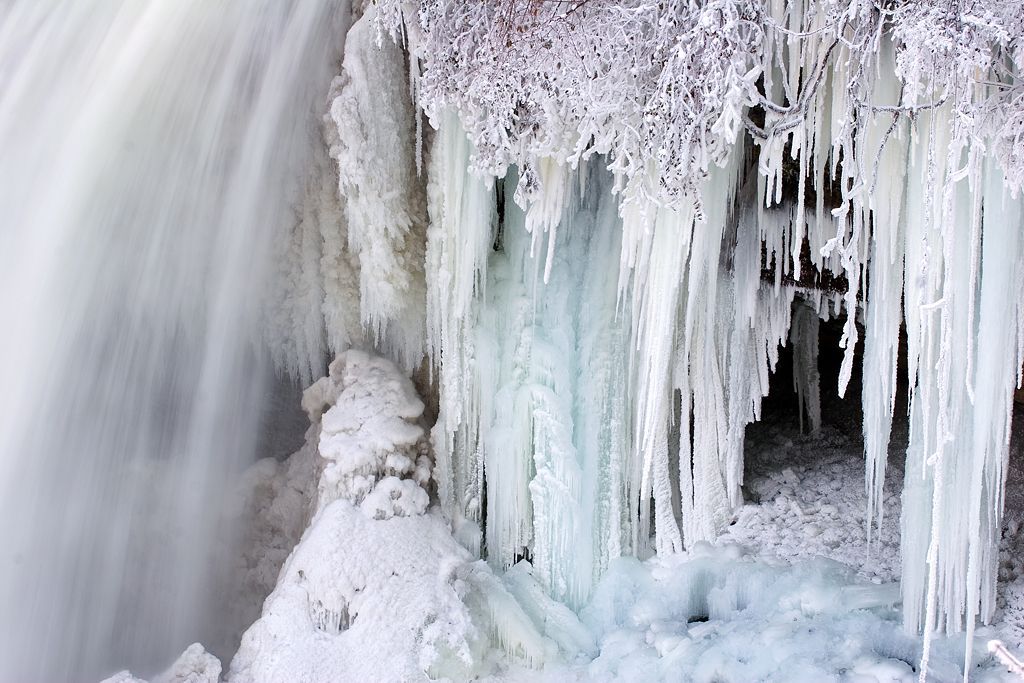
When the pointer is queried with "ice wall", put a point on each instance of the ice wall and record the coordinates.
(152, 153)
(593, 415)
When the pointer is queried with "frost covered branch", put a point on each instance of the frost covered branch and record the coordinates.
(1015, 666)
(663, 88)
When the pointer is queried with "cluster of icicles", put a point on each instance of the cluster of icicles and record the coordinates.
(583, 410)
(598, 358)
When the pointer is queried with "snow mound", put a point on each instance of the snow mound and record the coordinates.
(362, 440)
(363, 599)
(369, 439)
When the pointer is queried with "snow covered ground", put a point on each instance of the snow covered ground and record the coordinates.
(806, 498)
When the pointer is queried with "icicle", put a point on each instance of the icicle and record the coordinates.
(746, 387)
(534, 477)
(950, 535)
(887, 143)
(656, 295)
(681, 354)
(703, 348)
(552, 357)
(546, 210)
(995, 366)
(461, 208)
(804, 337)
(603, 405)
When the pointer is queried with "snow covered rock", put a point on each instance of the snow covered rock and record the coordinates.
(364, 599)
(363, 444)
(195, 665)
(377, 588)
(375, 454)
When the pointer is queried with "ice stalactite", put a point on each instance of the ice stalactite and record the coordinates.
(886, 140)
(938, 253)
(963, 275)
(760, 323)
(909, 223)
(595, 403)
(552, 424)
(803, 335)
(603, 438)
(461, 234)
(657, 242)
(527, 432)
(702, 366)
(999, 320)
(718, 337)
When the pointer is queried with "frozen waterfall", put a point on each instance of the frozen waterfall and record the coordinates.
(151, 152)
(576, 234)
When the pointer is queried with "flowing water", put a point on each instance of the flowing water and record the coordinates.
(150, 154)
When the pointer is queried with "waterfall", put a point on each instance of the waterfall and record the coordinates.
(152, 153)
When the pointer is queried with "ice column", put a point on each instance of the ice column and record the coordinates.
(460, 235)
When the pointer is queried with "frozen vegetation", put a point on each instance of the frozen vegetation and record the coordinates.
(558, 253)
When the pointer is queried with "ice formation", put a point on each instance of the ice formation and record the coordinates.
(404, 590)
(587, 228)
(385, 206)
(882, 187)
